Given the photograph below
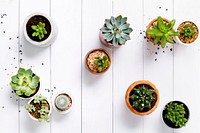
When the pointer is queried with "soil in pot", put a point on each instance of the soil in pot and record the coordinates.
(187, 40)
(35, 21)
(63, 102)
(168, 122)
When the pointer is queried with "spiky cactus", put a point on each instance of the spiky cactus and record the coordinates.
(142, 98)
(62, 102)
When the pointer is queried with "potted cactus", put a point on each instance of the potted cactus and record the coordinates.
(160, 31)
(40, 30)
(25, 83)
(175, 114)
(142, 97)
(98, 61)
(115, 32)
(188, 33)
(62, 102)
(39, 108)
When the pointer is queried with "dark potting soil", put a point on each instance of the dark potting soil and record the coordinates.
(35, 21)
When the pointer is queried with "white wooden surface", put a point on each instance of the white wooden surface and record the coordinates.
(99, 104)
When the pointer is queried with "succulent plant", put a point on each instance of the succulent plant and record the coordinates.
(24, 82)
(175, 113)
(30, 108)
(102, 63)
(162, 32)
(39, 30)
(187, 31)
(44, 111)
(142, 98)
(62, 102)
(116, 30)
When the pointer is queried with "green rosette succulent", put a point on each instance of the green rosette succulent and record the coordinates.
(39, 30)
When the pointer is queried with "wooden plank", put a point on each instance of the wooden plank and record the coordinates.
(158, 65)
(9, 64)
(96, 90)
(186, 66)
(39, 60)
(66, 62)
(127, 67)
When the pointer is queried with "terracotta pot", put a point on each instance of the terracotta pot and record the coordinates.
(151, 24)
(98, 49)
(131, 87)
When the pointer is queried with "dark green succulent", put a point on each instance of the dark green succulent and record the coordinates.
(187, 31)
(116, 30)
(25, 82)
(176, 114)
(39, 30)
(142, 98)
(102, 62)
(162, 32)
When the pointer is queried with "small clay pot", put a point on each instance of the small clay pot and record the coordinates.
(129, 90)
(168, 122)
(87, 65)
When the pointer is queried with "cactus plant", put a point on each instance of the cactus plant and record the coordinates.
(62, 102)
(40, 30)
(142, 98)
(25, 82)
(102, 63)
(116, 30)
(162, 32)
(39, 108)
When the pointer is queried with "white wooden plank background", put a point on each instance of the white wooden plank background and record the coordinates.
(99, 100)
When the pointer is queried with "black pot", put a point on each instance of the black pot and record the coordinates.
(168, 122)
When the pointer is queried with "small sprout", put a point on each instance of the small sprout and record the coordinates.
(175, 113)
(39, 30)
(30, 108)
(102, 63)
(40, 99)
(187, 31)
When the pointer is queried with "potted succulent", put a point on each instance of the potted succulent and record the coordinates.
(175, 114)
(25, 83)
(115, 32)
(188, 33)
(142, 97)
(98, 61)
(40, 30)
(160, 31)
(62, 102)
(39, 108)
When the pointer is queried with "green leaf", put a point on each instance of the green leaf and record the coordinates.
(169, 39)
(156, 40)
(118, 35)
(34, 27)
(154, 32)
(163, 42)
(171, 24)
(123, 20)
(124, 26)
(108, 24)
(105, 35)
(129, 30)
(110, 37)
(34, 82)
(118, 20)
(15, 79)
(115, 41)
(122, 41)
(172, 33)
(113, 21)
(160, 24)
(105, 29)
(125, 36)
(100, 69)
(29, 72)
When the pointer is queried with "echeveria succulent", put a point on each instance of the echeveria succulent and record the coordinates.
(116, 30)
(39, 30)
(24, 82)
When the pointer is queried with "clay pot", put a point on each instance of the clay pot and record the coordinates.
(129, 90)
(87, 65)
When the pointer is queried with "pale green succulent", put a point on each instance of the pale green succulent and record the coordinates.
(44, 111)
(40, 99)
(116, 30)
(25, 82)
(30, 108)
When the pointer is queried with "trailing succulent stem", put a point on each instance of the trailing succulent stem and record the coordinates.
(162, 32)
(116, 30)
(39, 30)
(187, 31)
(102, 62)
(175, 113)
(142, 98)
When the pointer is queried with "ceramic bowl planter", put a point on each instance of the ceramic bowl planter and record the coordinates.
(188, 33)
(160, 31)
(39, 108)
(97, 61)
(175, 114)
(40, 30)
(115, 32)
(63, 102)
(25, 83)
(142, 97)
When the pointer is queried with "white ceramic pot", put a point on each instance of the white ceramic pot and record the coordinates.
(54, 102)
(51, 38)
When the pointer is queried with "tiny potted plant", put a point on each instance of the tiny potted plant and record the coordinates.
(142, 97)
(188, 33)
(62, 102)
(25, 83)
(175, 114)
(40, 30)
(98, 61)
(39, 108)
(160, 31)
(115, 32)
